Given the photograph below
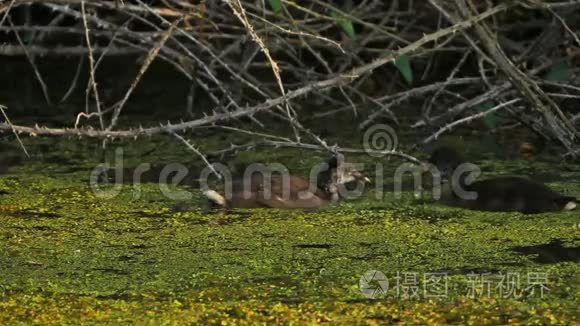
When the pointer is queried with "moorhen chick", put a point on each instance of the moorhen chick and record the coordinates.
(503, 194)
(290, 191)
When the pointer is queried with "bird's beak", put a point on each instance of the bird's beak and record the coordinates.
(361, 178)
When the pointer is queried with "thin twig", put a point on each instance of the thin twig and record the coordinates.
(150, 57)
(92, 81)
(34, 67)
(3, 108)
(196, 151)
(468, 119)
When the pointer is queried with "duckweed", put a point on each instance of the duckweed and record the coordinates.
(68, 255)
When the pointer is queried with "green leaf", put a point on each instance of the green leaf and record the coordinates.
(559, 72)
(276, 5)
(490, 120)
(346, 24)
(404, 65)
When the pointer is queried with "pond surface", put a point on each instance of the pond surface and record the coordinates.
(139, 256)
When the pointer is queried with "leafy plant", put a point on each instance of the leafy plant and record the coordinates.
(276, 5)
(345, 24)
(490, 120)
(404, 65)
(559, 72)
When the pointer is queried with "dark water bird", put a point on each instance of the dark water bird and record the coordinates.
(504, 194)
(276, 190)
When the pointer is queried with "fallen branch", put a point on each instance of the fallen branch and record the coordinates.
(242, 112)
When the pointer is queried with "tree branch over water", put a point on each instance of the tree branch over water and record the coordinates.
(361, 50)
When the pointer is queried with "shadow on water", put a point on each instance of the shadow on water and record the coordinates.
(550, 253)
(468, 271)
(28, 214)
(114, 271)
(313, 246)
